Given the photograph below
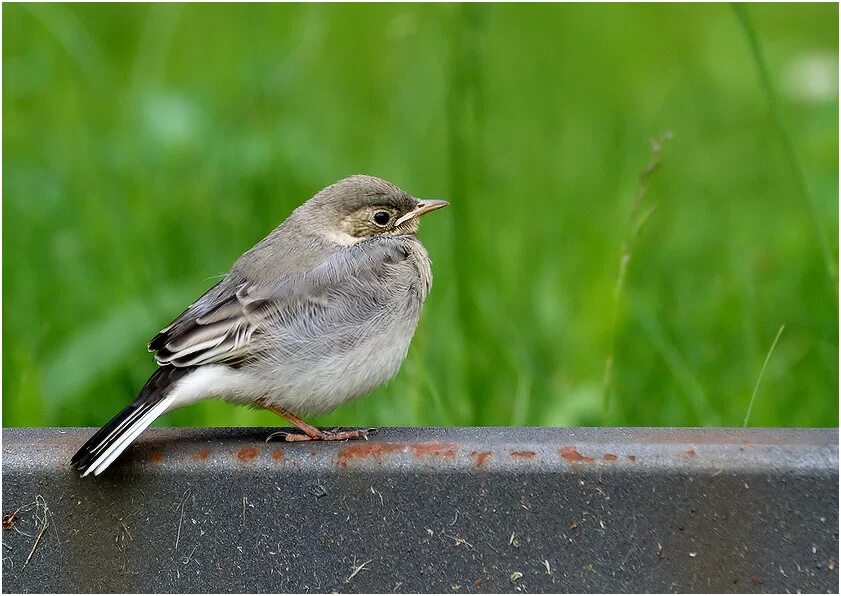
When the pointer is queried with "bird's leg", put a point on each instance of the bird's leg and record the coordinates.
(312, 433)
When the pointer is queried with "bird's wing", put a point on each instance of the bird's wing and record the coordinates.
(213, 329)
(222, 325)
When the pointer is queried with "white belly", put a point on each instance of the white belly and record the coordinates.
(317, 386)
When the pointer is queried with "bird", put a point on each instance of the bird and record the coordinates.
(318, 313)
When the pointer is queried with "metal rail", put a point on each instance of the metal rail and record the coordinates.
(427, 510)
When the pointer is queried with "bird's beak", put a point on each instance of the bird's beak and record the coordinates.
(423, 206)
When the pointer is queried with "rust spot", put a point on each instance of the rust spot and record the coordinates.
(247, 453)
(480, 457)
(522, 454)
(444, 450)
(691, 453)
(571, 454)
(362, 450)
(277, 454)
(156, 457)
(201, 455)
(609, 457)
(632, 458)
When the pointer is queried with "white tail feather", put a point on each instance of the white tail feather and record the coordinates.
(122, 425)
(195, 386)
(127, 436)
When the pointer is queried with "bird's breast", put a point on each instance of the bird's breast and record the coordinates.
(418, 260)
(341, 368)
(349, 341)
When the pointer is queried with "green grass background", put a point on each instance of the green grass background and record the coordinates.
(146, 146)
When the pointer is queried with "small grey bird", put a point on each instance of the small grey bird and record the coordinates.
(319, 312)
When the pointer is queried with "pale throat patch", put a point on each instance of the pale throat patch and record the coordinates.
(342, 238)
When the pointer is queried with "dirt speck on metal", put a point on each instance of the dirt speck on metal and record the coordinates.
(9, 520)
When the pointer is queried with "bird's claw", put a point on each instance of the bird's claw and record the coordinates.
(330, 435)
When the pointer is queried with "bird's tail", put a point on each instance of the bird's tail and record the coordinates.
(111, 440)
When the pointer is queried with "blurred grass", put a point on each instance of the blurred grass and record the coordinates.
(146, 146)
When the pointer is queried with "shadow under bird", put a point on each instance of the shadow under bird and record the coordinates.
(318, 313)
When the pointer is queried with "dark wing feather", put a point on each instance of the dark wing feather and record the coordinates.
(215, 328)
(207, 302)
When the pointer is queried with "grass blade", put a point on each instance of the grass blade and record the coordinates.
(786, 139)
(762, 372)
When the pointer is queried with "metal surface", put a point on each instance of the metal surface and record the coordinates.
(428, 510)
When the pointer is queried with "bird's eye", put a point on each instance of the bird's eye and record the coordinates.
(381, 218)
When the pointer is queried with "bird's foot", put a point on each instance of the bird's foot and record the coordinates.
(323, 435)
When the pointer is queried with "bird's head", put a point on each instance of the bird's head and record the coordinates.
(360, 207)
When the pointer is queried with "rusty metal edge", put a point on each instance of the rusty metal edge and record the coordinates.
(476, 448)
